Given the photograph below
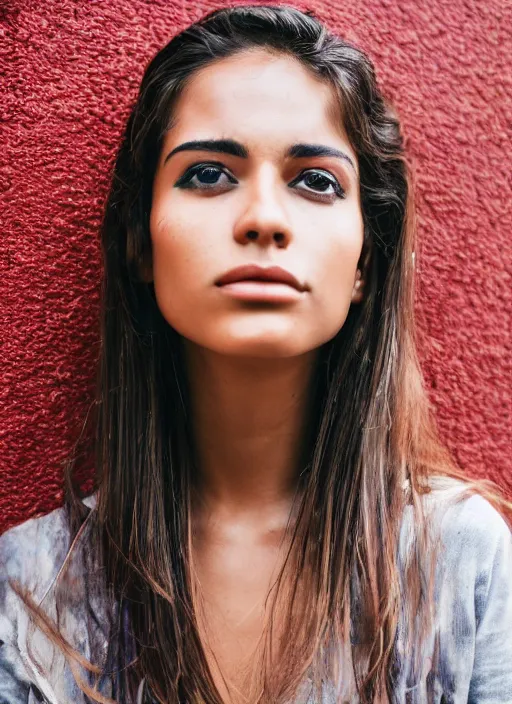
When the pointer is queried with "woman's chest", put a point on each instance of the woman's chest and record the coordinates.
(233, 601)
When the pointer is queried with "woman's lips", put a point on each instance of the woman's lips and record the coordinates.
(264, 291)
(255, 283)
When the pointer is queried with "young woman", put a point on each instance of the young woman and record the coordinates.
(275, 519)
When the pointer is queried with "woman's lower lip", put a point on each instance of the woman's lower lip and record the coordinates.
(271, 291)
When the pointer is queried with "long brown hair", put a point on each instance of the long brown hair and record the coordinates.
(373, 448)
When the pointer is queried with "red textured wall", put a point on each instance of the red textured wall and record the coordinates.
(73, 69)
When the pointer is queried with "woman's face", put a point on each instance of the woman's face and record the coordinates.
(261, 206)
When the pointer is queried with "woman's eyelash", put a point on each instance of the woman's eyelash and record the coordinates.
(186, 180)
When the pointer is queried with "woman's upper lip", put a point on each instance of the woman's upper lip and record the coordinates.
(253, 272)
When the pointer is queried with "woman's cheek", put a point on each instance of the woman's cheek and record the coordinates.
(335, 282)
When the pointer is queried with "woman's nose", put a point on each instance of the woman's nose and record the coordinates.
(264, 220)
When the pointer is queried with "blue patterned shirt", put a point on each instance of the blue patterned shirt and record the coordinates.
(472, 629)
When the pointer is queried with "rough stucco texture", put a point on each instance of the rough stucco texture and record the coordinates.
(72, 71)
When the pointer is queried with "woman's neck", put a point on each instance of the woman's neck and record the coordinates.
(250, 422)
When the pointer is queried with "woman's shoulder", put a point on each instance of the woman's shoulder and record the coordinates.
(473, 534)
(474, 565)
(466, 519)
(33, 551)
(35, 554)
(474, 594)
(30, 552)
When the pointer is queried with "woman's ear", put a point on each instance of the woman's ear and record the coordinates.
(358, 288)
(358, 291)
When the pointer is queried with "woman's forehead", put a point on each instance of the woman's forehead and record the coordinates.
(266, 100)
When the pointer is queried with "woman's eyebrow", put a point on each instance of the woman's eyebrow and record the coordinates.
(230, 146)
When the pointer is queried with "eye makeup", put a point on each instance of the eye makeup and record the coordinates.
(311, 174)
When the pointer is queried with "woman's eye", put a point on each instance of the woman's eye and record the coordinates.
(319, 180)
(208, 176)
(204, 177)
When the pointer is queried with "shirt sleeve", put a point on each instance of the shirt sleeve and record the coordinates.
(491, 679)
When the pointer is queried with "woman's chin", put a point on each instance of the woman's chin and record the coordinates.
(261, 347)
(272, 338)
